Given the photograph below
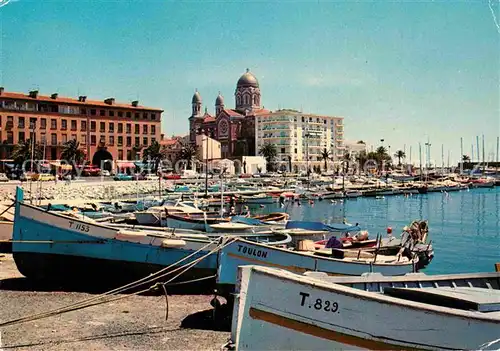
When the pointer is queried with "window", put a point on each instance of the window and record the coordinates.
(145, 129)
(93, 112)
(64, 124)
(102, 127)
(295, 150)
(129, 128)
(53, 139)
(153, 140)
(282, 150)
(10, 138)
(43, 123)
(83, 111)
(111, 140)
(137, 142)
(129, 114)
(64, 138)
(120, 113)
(111, 113)
(129, 141)
(145, 141)
(73, 136)
(145, 115)
(153, 130)
(137, 115)
(32, 122)
(20, 123)
(21, 137)
(129, 154)
(92, 126)
(73, 124)
(111, 127)
(92, 140)
(102, 140)
(102, 113)
(53, 123)
(153, 116)
(136, 130)
(120, 140)
(83, 126)
(302, 118)
(120, 154)
(83, 138)
(120, 127)
(43, 138)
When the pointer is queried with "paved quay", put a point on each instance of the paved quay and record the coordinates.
(133, 323)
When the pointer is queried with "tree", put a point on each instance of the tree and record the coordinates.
(188, 153)
(269, 152)
(24, 151)
(360, 142)
(346, 160)
(154, 153)
(465, 158)
(399, 155)
(325, 155)
(72, 153)
(136, 152)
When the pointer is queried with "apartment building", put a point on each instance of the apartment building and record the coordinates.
(301, 137)
(123, 129)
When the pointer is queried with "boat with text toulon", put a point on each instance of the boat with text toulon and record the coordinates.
(279, 310)
(242, 252)
(52, 245)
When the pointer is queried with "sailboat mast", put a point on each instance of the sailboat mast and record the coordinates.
(420, 157)
(484, 165)
(461, 155)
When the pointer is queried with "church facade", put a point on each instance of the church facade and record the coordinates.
(234, 127)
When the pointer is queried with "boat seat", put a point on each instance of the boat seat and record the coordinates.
(463, 298)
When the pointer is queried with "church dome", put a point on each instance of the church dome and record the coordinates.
(219, 100)
(248, 80)
(196, 98)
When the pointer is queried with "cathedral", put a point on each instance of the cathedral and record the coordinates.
(233, 128)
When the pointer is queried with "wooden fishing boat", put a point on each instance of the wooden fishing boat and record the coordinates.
(241, 252)
(279, 310)
(275, 217)
(51, 245)
(194, 221)
(256, 199)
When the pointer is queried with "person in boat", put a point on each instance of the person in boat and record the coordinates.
(232, 211)
(333, 243)
(246, 212)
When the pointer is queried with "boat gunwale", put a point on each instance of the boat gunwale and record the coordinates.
(383, 264)
(376, 297)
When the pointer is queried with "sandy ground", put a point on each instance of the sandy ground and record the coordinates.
(133, 323)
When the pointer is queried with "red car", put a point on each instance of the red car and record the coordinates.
(91, 171)
(171, 176)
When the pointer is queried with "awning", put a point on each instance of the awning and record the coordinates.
(125, 165)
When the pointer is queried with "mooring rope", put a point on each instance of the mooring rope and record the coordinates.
(95, 300)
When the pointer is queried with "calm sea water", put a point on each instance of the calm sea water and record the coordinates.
(464, 226)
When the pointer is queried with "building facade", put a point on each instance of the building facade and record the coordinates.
(233, 128)
(300, 138)
(123, 130)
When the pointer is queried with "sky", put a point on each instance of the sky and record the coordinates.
(406, 72)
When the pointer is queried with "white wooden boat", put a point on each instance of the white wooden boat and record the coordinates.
(156, 215)
(353, 193)
(279, 310)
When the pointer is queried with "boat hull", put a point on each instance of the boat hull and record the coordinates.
(51, 246)
(277, 310)
(6, 236)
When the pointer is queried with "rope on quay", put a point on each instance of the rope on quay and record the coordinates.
(97, 300)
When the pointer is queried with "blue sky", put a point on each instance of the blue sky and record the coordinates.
(405, 72)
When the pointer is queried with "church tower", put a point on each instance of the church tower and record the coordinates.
(219, 104)
(247, 94)
(196, 104)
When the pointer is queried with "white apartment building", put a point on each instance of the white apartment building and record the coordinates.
(300, 136)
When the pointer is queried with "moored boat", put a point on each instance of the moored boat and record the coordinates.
(279, 310)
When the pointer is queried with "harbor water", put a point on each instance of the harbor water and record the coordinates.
(464, 226)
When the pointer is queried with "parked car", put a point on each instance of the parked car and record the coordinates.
(245, 175)
(3, 177)
(123, 176)
(171, 176)
(105, 173)
(152, 177)
(44, 177)
(91, 171)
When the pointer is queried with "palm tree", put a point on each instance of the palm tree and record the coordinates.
(325, 155)
(269, 152)
(154, 153)
(399, 155)
(347, 160)
(189, 153)
(24, 151)
(72, 153)
(289, 163)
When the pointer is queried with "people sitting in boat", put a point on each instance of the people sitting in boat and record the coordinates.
(333, 243)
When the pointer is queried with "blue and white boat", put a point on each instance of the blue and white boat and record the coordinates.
(242, 252)
(52, 245)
